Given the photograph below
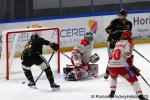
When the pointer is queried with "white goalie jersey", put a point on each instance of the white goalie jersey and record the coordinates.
(82, 52)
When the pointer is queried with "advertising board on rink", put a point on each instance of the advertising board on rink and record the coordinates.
(73, 29)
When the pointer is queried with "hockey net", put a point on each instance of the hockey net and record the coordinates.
(13, 43)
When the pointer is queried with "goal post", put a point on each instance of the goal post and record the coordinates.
(14, 41)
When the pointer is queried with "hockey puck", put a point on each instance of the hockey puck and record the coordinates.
(23, 82)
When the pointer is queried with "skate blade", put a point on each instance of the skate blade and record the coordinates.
(55, 89)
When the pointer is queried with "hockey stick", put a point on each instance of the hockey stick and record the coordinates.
(142, 77)
(145, 80)
(141, 55)
(42, 70)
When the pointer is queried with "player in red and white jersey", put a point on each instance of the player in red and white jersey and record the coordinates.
(81, 56)
(122, 51)
(120, 63)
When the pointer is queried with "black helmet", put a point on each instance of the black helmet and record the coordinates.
(123, 12)
(34, 36)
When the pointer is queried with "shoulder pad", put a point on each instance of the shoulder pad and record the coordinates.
(84, 42)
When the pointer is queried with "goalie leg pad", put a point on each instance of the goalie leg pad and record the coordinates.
(72, 76)
(67, 70)
(77, 74)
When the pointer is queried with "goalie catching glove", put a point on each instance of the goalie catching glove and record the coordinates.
(54, 46)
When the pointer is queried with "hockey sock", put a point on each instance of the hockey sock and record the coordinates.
(28, 75)
(113, 84)
(113, 88)
(49, 75)
(136, 87)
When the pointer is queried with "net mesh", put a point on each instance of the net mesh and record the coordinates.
(14, 42)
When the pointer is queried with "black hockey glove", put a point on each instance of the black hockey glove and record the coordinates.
(54, 46)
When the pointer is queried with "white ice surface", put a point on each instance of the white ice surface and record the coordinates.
(80, 90)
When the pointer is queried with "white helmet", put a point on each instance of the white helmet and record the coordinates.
(88, 36)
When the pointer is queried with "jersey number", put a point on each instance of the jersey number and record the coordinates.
(28, 47)
(117, 54)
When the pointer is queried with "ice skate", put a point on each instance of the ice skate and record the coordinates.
(55, 87)
(141, 97)
(32, 85)
(112, 94)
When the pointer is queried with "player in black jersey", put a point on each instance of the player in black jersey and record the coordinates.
(32, 55)
(115, 30)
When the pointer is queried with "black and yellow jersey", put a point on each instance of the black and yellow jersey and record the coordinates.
(35, 46)
(116, 27)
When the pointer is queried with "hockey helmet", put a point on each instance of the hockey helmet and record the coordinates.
(126, 35)
(123, 12)
(34, 36)
(88, 36)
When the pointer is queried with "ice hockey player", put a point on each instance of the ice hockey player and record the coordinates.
(81, 57)
(32, 55)
(115, 29)
(121, 63)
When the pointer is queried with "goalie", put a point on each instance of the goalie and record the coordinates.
(80, 58)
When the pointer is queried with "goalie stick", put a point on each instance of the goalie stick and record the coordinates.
(93, 74)
(42, 70)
